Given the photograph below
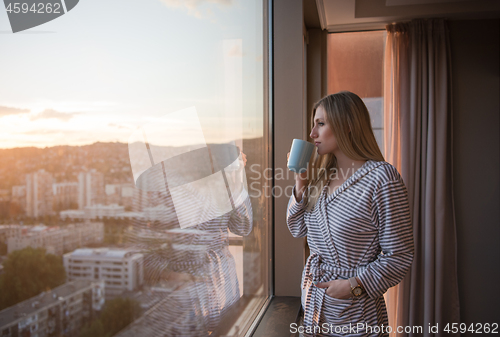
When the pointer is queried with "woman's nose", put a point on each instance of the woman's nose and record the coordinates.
(313, 133)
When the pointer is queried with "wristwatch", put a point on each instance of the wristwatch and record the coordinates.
(356, 289)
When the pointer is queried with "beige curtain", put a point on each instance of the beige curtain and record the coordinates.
(418, 142)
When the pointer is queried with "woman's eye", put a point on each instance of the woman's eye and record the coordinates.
(321, 124)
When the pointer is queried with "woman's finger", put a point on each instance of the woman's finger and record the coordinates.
(323, 284)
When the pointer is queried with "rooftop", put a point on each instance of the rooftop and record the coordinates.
(25, 309)
(99, 206)
(105, 252)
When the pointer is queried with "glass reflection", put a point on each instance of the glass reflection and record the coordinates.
(193, 195)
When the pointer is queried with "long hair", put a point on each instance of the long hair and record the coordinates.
(349, 119)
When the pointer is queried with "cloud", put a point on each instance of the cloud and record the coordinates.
(119, 126)
(50, 113)
(6, 110)
(44, 132)
(193, 5)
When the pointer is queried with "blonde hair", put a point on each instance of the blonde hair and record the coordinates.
(348, 117)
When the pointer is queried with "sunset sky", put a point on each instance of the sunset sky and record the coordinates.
(107, 67)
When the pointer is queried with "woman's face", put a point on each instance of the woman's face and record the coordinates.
(322, 133)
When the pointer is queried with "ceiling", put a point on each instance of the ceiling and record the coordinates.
(348, 15)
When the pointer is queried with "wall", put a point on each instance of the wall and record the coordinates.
(475, 62)
(316, 70)
(288, 123)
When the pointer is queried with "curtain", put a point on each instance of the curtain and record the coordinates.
(418, 142)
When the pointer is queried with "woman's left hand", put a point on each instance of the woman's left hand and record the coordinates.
(340, 289)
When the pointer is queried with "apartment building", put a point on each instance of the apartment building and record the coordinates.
(103, 211)
(50, 238)
(121, 270)
(39, 194)
(90, 188)
(10, 231)
(61, 311)
(55, 240)
(81, 234)
(115, 211)
(18, 197)
(94, 212)
(120, 194)
(65, 195)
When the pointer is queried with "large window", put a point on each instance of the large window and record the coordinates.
(356, 63)
(130, 133)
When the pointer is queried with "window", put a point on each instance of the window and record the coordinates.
(110, 100)
(356, 63)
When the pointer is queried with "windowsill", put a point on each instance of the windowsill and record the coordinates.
(282, 311)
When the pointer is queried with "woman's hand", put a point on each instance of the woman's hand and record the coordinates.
(340, 289)
(300, 176)
(300, 181)
(244, 157)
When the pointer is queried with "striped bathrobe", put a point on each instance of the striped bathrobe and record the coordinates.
(200, 253)
(362, 229)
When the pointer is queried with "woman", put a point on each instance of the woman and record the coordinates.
(195, 261)
(353, 208)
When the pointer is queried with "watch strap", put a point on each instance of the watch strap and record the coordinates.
(353, 282)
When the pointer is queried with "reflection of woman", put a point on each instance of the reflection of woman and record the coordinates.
(354, 211)
(197, 257)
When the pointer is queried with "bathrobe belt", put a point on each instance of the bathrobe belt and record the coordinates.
(319, 271)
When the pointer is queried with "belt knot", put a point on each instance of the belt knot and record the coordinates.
(315, 272)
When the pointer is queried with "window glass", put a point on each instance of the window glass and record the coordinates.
(355, 63)
(134, 139)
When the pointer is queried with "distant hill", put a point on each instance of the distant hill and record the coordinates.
(66, 162)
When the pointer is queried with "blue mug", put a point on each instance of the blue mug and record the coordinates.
(300, 154)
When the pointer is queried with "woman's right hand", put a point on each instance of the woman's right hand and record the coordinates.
(299, 176)
(300, 181)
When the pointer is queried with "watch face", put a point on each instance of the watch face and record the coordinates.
(357, 291)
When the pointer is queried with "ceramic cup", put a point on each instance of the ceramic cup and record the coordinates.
(300, 154)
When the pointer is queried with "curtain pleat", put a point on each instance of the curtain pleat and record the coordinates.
(418, 142)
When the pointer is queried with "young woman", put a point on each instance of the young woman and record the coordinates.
(194, 261)
(353, 208)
